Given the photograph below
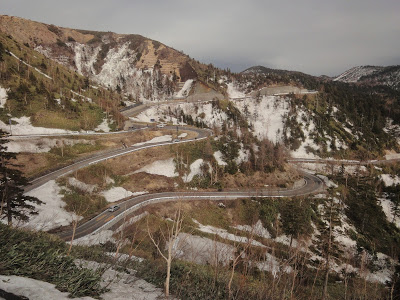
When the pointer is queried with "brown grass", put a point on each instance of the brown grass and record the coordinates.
(259, 180)
(148, 182)
(33, 164)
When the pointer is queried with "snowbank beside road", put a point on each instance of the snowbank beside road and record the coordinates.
(233, 92)
(118, 193)
(158, 139)
(51, 214)
(24, 127)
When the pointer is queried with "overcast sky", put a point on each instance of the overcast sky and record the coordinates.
(313, 36)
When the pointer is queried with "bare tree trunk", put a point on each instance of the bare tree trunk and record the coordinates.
(167, 279)
(74, 225)
(172, 235)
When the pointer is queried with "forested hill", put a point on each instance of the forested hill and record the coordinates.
(50, 94)
(368, 112)
(143, 68)
(372, 76)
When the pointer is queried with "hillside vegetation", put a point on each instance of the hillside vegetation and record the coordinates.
(52, 95)
(142, 68)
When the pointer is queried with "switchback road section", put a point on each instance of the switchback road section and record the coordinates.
(107, 219)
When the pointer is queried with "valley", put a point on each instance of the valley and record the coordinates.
(263, 184)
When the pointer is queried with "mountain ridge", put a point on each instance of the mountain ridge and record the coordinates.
(139, 66)
(373, 76)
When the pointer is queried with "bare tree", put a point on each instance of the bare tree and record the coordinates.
(242, 251)
(77, 211)
(170, 237)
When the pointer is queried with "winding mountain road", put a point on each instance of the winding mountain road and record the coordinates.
(35, 183)
(106, 219)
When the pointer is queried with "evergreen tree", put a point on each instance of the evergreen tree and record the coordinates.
(296, 217)
(14, 204)
(395, 283)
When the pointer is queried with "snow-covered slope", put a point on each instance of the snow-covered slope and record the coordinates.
(372, 75)
(129, 63)
(354, 74)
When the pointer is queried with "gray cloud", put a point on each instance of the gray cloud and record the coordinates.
(312, 36)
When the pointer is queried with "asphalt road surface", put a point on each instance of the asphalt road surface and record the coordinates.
(107, 219)
(202, 134)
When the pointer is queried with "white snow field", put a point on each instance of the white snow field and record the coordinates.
(390, 180)
(24, 127)
(185, 89)
(51, 214)
(158, 139)
(233, 92)
(117, 193)
(3, 97)
(265, 116)
(194, 170)
(160, 167)
(103, 126)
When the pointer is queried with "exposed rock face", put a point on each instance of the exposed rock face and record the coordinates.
(144, 68)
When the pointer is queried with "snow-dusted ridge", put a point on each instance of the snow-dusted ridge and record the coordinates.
(355, 73)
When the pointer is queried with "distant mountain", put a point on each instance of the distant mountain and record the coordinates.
(373, 76)
(265, 70)
(136, 65)
(276, 76)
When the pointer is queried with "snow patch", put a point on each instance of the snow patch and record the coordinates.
(24, 127)
(32, 289)
(88, 188)
(390, 180)
(272, 265)
(117, 193)
(158, 139)
(160, 167)
(194, 170)
(182, 135)
(3, 96)
(328, 182)
(103, 126)
(388, 208)
(202, 250)
(218, 157)
(211, 117)
(243, 155)
(185, 89)
(100, 237)
(51, 214)
(257, 229)
(42, 145)
(233, 91)
(226, 235)
(266, 116)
